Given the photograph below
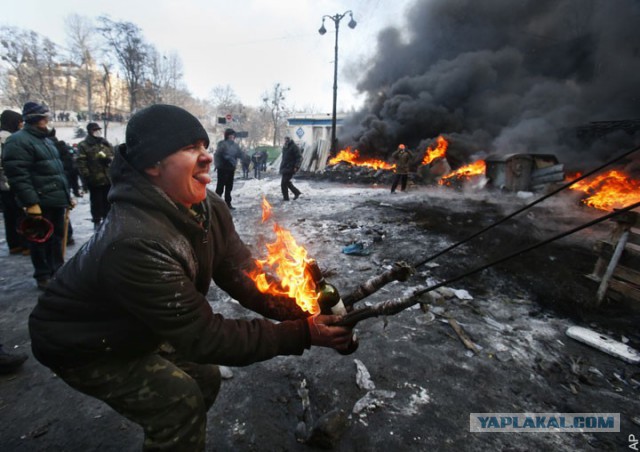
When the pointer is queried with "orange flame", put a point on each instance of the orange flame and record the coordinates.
(353, 157)
(473, 169)
(431, 154)
(288, 262)
(609, 191)
(266, 209)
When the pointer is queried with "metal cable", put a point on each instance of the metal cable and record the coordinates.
(568, 184)
(388, 308)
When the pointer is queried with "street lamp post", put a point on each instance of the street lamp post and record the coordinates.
(352, 24)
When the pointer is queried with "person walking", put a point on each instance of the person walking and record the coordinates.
(36, 174)
(246, 163)
(290, 164)
(257, 158)
(93, 161)
(10, 122)
(402, 157)
(127, 320)
(225, 161)
(68, 164)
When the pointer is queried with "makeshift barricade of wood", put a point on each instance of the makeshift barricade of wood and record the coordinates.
(617, 269)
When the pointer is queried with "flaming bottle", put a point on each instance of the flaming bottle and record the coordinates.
(329, 300)
(328, 297)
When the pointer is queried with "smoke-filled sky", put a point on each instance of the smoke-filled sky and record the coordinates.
(503, 76)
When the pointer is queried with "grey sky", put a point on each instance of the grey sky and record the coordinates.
(247, 44)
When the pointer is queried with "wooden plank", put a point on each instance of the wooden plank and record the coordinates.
(634, 237)
(628, 290)
(630, 258)
(627, 274)
(612, 265)
(630, 219)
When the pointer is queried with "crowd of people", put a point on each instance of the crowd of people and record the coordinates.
(128, 314)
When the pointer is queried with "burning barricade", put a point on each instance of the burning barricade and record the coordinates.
(611, 190)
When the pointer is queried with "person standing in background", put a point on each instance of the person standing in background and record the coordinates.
(225, 160)
(36, 174)
(246, 163)
(257, 158)
(10, 122)
(402, 157)
(291, 160)
(94, 158)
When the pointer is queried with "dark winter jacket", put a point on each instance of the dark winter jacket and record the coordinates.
(291, 158)
(226, 155)
(142, 279)
(66, 155)
(94, 157)
(259, 157)
(34, 169)
(402, 158)
(9, 123)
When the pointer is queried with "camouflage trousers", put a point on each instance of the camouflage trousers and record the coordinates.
(167, 397)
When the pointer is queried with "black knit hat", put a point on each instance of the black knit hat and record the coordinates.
(10, 121)
(228, 133)
(93, 126)
(33, 112)
(157, 131)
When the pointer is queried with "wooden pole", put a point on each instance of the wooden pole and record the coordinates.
(65, 235)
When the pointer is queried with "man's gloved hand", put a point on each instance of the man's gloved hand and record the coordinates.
(103, 158)
(34, 210)
(323, 334)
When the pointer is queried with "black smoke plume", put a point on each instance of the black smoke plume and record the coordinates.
(505, 76)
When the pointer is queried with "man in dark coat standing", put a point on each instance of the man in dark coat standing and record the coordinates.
(93, 161)
(225, 160)
(10, 123)
(36, 174)
(402, 156)
(290, 164)
(127, 320)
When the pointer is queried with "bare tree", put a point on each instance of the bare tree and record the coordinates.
(274, 103)
(164, 77)
(175, 74)
(224, 101)
(223, 98)
(81, 37)
(108, 95)
(31, 66)
(258, 124)
(131, 51)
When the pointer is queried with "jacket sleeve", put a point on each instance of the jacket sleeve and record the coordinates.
(152, 286)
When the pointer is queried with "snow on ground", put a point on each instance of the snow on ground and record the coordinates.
(425, 381)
